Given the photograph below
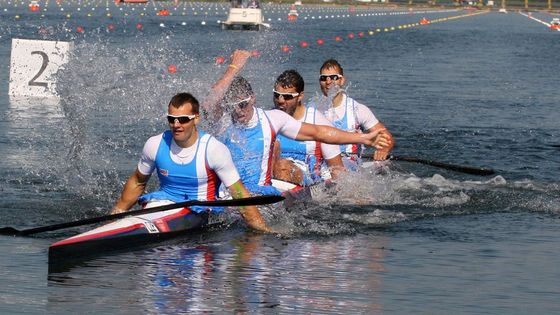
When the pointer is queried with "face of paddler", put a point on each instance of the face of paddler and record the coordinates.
(330, 77)
(241, 108)
(182, 122)
(286, 99)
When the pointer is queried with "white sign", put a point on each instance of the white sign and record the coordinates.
(33, 64)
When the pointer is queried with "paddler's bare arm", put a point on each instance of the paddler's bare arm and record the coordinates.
(134, 188)
(238, 60)
(250, 214)
(386, 141)
(336, 167)
(328, 134)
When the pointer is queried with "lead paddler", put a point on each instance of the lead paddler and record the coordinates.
(190, 165)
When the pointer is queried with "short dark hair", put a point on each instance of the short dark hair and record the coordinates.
(330, 64)
(290, 78)
(239, 88)
(182, 98)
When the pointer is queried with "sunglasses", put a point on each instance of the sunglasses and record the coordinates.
(286, 96)
(333, 77)
(240, 104)
(183, 119)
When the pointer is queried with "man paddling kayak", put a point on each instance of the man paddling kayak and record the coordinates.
(347, 114)
(302, 162)
(252, 131)
(190, 165)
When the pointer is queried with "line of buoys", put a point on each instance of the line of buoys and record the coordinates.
(305, 44)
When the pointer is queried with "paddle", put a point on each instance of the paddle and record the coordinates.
(458, 168)
(257, 200)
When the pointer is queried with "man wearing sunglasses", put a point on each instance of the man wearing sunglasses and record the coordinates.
(302, 162)
(252, 133)
(347, 114)
(190, 165)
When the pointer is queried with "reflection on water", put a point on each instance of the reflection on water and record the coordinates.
(249, 273)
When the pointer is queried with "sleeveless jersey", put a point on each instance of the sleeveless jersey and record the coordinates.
(308, 152)
(347, 123)
(180, 182)
(251, 150)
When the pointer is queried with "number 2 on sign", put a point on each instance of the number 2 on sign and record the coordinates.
(33, 65)
(32, 82)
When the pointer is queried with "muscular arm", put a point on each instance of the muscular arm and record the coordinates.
(328, 134)
(250, 214)
(133, 188)
(219, 89)
(335, 166)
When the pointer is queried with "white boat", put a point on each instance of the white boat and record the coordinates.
(555, 22)
(502, 10)
(144, 227)
(245, 16)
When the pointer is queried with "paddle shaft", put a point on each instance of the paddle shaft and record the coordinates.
(452, 167)
(257, 200)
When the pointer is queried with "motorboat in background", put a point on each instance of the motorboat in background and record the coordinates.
(245, 15)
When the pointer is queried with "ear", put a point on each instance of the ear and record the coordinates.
(197, 119)
(301, 96)
(342, 80)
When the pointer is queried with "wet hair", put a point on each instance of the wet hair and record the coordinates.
(238, 89)
(182, 98)
(332, 64)
(290, 78)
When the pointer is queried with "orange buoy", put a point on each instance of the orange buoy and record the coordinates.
(220, 60)
(320, 42)
(285, 48)
(79, 29)
(338, 38)
(303, 44)
(350, 35)
(361, 34)
(171, 68)
(111, 27)
(138, 26)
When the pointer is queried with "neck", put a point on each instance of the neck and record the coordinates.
(337, 100)
(189, 142)
(299, 112)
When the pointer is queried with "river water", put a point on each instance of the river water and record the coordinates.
(477, 90)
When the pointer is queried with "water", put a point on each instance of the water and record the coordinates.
(477, 90)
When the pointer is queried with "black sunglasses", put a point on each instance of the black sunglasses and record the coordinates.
(286, 96)
(183, 119)
(333, 77)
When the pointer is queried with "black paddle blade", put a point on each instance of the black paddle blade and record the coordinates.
(9, 231)
(483, 171)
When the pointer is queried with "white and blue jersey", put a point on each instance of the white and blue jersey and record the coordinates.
(351, 116)
(307, 152)
(251, 149)
(179, 182)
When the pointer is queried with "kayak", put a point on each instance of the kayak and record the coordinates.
(139, 230)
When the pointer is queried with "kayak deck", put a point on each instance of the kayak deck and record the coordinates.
(126, 233)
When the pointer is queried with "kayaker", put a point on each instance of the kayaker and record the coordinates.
(302, 162)
(250, 132)
(190, 165)
(347, 114)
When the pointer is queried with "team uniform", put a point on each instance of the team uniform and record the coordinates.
(309, 156)
(192, 173)
(251, 146)
(351, 116)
